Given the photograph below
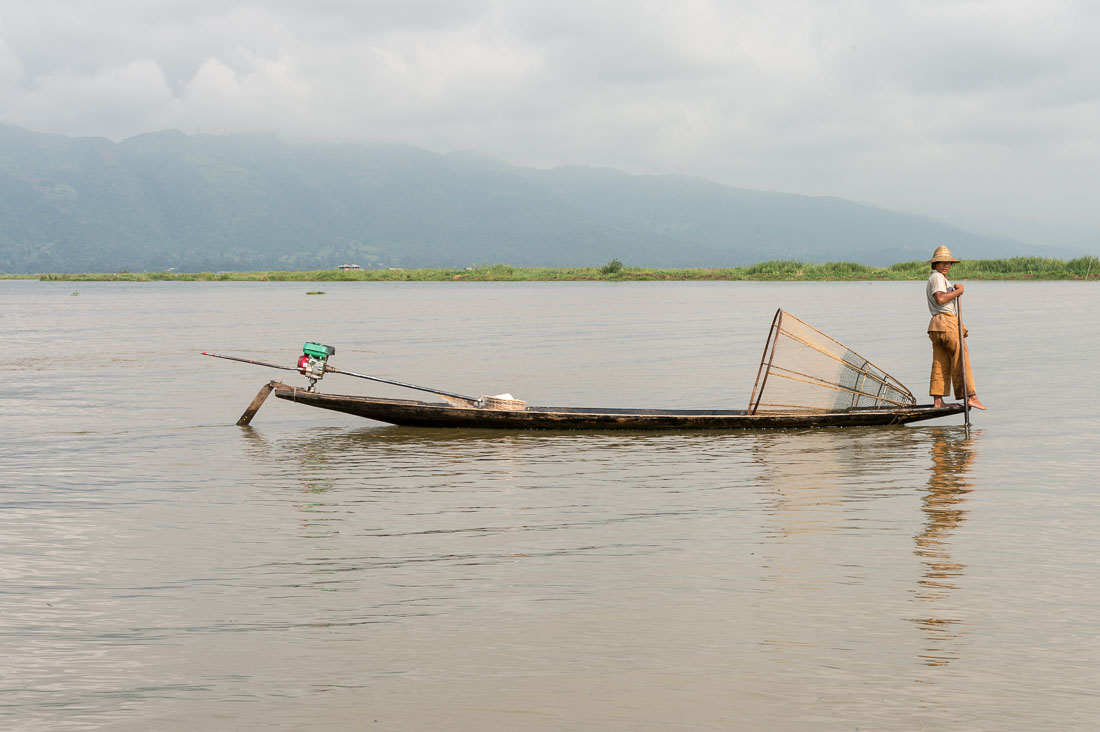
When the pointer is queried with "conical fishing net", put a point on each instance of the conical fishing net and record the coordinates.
(805, 370)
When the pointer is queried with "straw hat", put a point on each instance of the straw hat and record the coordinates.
(942, 254)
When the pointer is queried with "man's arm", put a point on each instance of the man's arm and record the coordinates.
(945, 297)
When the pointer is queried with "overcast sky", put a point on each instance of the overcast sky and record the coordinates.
(980, 112)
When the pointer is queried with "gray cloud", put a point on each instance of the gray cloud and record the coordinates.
(982, 112)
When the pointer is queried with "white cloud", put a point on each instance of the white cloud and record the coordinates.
(11, 72)
(258, 95)
(973, 109)
(110, 102)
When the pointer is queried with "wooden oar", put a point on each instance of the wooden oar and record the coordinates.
(962, 362)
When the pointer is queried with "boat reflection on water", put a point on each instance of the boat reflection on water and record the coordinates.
(790, 523)
(952, 451)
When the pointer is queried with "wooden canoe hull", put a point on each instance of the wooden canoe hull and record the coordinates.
(411, 413)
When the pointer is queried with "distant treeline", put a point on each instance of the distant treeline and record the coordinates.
(1017, 268)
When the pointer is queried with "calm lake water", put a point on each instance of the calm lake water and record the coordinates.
(163, 569)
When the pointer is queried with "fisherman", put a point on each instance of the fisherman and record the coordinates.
(943, 331)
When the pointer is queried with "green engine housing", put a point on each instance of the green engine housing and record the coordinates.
(318, 351)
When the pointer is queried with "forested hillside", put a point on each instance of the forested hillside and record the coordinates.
(212, 203)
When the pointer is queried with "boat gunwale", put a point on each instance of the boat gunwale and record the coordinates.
(422, 413)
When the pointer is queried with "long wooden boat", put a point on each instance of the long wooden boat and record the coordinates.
(412, 413)
(806, 379)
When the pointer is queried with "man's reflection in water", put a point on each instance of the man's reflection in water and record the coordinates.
(952, 451)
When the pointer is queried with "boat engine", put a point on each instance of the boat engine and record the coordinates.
(313, 360)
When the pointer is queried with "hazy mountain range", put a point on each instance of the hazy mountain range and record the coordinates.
(209, 203)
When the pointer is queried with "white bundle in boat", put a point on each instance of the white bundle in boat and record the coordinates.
(501, 401)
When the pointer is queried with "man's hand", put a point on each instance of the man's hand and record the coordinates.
(945, 297)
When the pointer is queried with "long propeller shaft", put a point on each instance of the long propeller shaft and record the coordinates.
(334, 370)
(249, 360)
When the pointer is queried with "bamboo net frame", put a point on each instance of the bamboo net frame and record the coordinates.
(803, 369)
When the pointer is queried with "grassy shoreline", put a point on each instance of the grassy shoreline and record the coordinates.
(1018, 268)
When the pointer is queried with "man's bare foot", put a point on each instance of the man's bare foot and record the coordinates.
(937, 402)
(975, 403)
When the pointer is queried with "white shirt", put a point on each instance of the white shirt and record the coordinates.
(938, 283)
